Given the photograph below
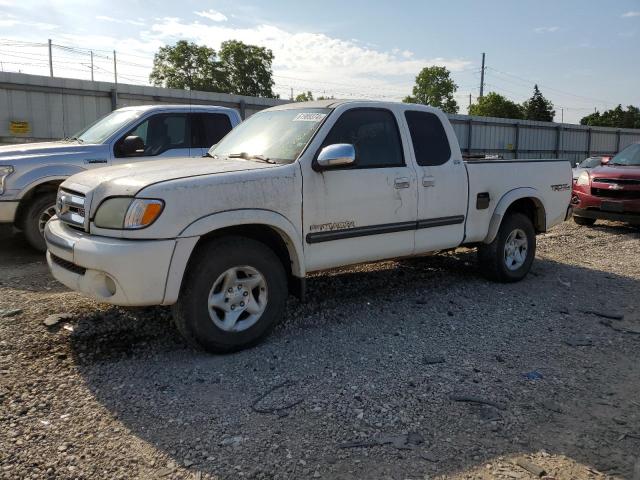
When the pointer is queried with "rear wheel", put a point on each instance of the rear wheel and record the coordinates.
(587, 222)
(36, 216)
(509, 257)
(233, 293)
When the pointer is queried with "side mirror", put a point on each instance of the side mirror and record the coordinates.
(132, 145)
(339, 154)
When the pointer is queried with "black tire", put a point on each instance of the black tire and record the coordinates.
(584, 221)
(491, 256)
(191, 312)
(33, 216)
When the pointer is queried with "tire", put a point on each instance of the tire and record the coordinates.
(495, 260)
(40, 209)
(584, 221)
(206, 280)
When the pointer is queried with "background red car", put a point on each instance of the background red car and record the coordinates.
(609, 192)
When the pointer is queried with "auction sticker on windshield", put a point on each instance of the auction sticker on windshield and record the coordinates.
(309, 117)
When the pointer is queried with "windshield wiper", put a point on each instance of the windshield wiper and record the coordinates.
(246, 156)
(71, 139)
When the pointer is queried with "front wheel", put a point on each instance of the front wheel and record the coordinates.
(37, 214)
(509, 257)
(233, 293)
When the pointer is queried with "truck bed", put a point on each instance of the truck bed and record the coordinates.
(551, 178)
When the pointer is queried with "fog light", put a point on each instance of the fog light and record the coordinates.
(110, 284)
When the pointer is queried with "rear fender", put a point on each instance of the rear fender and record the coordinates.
(507, 200)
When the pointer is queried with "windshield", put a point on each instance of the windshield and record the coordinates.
(276, 135)
(628, 156)
(591, 162)
(99, 131)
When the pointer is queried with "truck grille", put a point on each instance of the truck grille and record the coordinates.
(619, 181)
(70, 208)
(619, 194)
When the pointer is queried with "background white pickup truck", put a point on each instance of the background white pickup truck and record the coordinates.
(31, 173)
(295, 189)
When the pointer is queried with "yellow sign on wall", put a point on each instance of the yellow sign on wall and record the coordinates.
(19, 127)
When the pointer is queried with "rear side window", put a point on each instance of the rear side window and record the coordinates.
(430, 142)
(209, 128)
(374, 135)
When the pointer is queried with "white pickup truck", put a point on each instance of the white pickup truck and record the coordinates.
(295, 189)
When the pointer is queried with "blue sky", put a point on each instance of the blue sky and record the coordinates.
(584, 54)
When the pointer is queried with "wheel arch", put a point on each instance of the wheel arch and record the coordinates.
(524, 200)
(265, 226)
(46, 185)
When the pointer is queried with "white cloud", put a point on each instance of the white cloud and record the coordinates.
(213, 15)
(546, 29)
(9, 20)
(630, 14)
(105, 18)
(306, 60)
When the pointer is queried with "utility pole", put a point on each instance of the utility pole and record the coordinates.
(50, 60)
(115, 70)
(92, 65)
(482, 77)
(561, 115)
(469, 111)
(291, 93)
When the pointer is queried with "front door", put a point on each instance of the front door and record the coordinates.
(164, 135)
(442, 183)
(366, 211)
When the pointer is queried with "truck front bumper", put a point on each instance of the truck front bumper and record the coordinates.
(8, 211)
(116, 271)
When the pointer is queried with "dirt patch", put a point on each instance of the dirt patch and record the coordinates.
(413, 369)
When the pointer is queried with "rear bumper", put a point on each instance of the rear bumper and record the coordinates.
(116, 271)
(8, 211)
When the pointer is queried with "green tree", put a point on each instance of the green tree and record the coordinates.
(495, 105)
(434, 86)
(304, 97)
(617, 118)
(538, 107)
(187, 66)
(247, 69)
(238, 68)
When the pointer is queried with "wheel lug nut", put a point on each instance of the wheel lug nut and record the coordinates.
(233, 307)
(239, 287)
(230, 290)
(242, 304)
(245, 294)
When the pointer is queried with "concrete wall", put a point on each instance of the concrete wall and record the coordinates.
(59, 107)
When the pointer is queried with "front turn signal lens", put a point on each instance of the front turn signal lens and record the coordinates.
(142, 213)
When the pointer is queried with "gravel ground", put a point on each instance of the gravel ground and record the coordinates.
(368, 379)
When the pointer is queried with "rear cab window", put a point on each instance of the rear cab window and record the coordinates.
(429, 139)
(209, 128)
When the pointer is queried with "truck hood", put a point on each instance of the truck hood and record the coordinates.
(44, 152)
(128, 179)
(631, 172)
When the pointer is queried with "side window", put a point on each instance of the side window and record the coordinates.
(430, 141)
(211, 127)
(373, 133)
(160, 133)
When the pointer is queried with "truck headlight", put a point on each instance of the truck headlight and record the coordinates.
(584, 179)
(5, 171)
(128, 213)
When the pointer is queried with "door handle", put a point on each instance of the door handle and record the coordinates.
(428, 181)
(402, 182)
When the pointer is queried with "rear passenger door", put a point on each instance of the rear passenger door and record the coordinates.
(366, 211)
(442, 182)
(207, 130)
